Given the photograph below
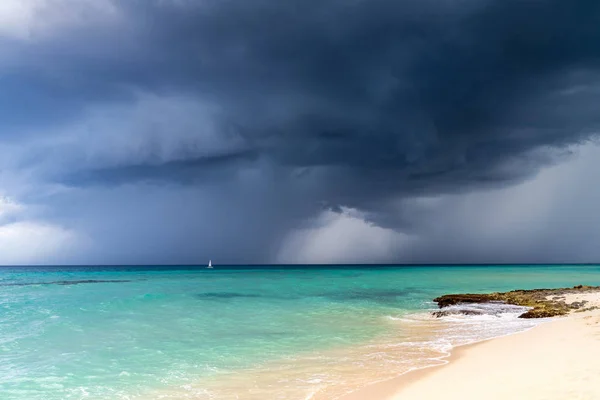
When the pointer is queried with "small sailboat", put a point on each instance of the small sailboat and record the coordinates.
(210, 264)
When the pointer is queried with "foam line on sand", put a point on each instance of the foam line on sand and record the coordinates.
(557, 360)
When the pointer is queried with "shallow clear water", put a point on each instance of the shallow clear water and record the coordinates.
(129, 333)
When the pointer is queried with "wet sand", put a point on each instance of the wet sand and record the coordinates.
(554, 361)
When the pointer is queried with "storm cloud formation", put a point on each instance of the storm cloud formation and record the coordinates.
(169, 131)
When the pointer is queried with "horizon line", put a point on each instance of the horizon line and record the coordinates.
(305, 265)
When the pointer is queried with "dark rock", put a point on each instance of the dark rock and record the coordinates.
(542, 313)
(587, 309)
(454, 299)
(577, 304)
(543, 303)
(446, 313)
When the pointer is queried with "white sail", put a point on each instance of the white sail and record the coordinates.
(209, 264)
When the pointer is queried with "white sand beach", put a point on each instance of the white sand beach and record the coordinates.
(557, 360)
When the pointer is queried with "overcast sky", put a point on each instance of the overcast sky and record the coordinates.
(263, 131)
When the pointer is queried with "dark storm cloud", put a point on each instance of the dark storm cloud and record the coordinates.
(411, 94)
(354, 103)
(185, 172)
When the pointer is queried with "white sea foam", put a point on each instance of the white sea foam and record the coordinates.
(470, 323)
(423, 341)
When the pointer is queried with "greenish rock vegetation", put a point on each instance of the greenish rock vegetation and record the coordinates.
(542, 303)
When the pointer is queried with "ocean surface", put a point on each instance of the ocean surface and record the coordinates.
(241, 332)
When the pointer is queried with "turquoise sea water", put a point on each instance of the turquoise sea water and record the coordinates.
(277, 333)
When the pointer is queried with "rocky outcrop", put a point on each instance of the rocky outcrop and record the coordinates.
(447, 313)
(542, 303)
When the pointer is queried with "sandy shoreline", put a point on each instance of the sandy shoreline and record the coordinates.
(556, 360)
